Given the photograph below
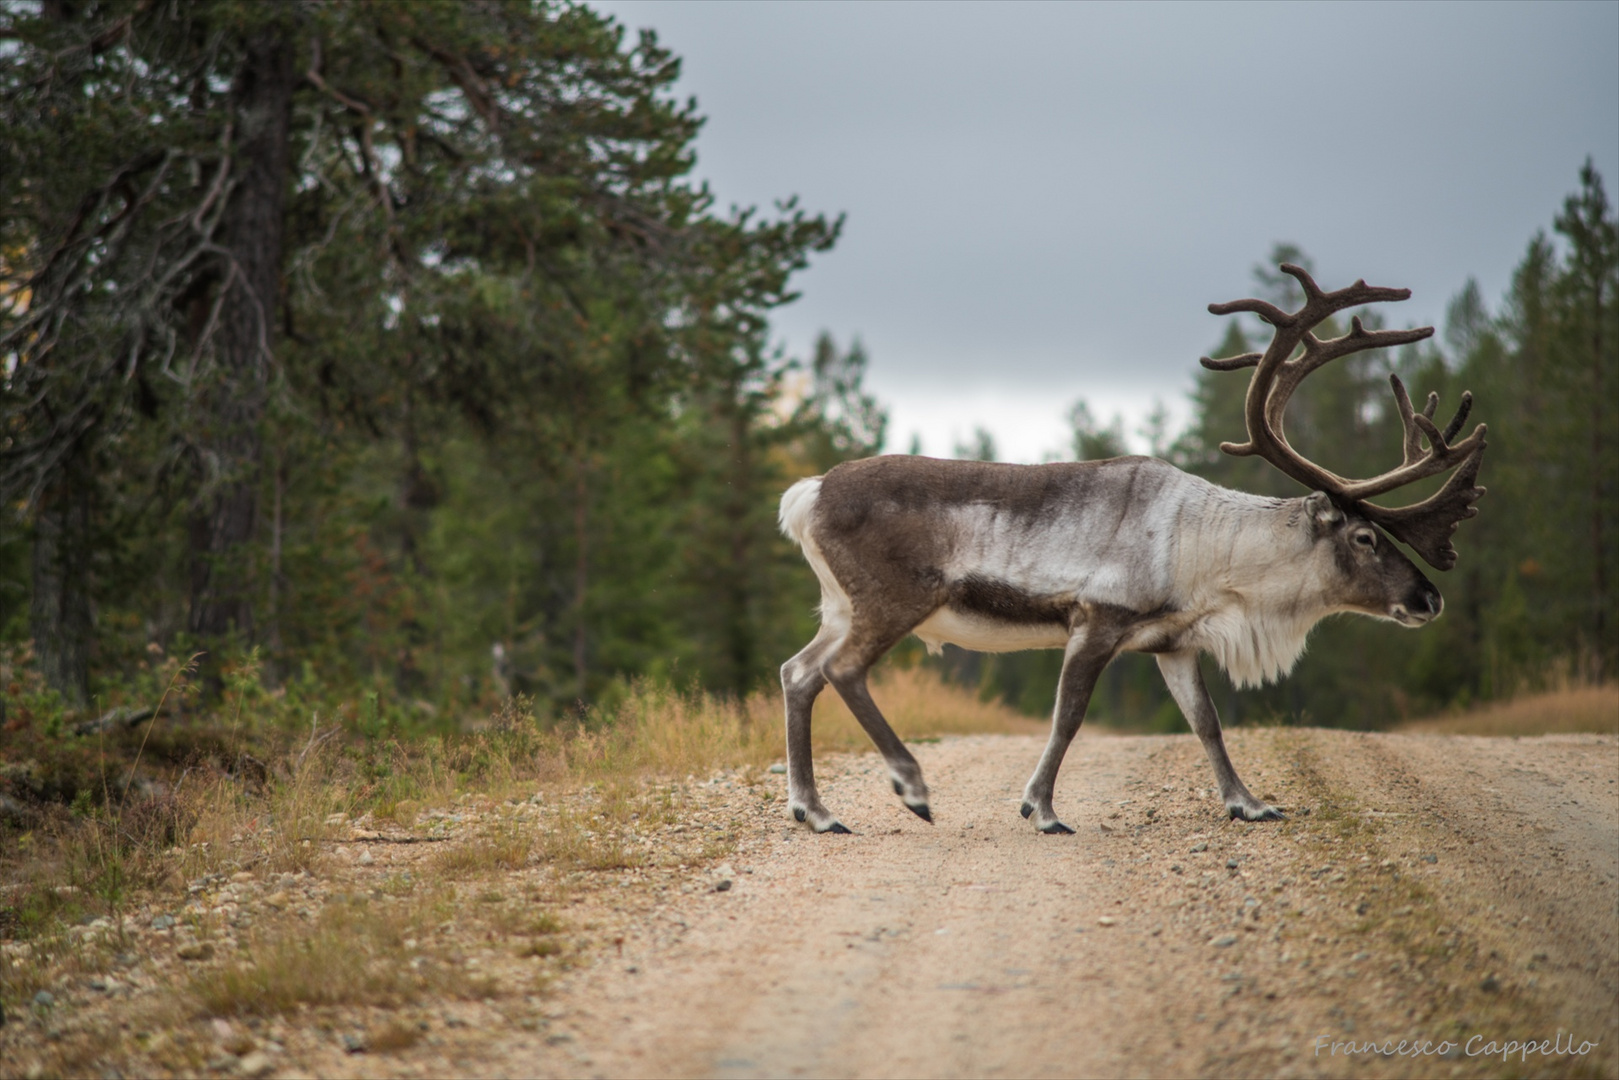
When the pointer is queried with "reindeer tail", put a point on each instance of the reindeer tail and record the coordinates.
(797, 504)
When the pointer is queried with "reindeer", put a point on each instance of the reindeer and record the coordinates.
(1130, 554)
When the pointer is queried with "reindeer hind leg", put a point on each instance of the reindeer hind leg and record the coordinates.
(846, 668)
(801, 683)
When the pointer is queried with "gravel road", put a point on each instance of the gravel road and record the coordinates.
(1427, 888)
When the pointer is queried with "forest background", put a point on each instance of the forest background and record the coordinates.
(392, 354)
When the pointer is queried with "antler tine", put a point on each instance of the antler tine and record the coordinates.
(1231, 363)
(1413, 435)
(1459, 419)
(1264, 309)
(1312, 291)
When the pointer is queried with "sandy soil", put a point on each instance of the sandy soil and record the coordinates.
(1443, 889)
(1427, 887)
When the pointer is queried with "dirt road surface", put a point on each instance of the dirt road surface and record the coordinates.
(1425, 888)
(1458, 893)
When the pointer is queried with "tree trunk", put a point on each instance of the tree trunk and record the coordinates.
(1599, 570)
(60, 617)
(225, 520)
(738, 627)
(581, 578)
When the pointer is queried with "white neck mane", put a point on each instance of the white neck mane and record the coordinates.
(1252, 574)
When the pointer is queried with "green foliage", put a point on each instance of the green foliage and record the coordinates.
(389, 356)
(505, 419)
(1092, 441)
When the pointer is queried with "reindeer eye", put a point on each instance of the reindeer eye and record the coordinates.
(1365, 539)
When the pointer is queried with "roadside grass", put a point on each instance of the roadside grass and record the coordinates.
(351, 955)
(502, 849)
(552, 801)
(1568, 710)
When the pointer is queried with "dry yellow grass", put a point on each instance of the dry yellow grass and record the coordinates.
(352, 955)
(607, 785)
(1572, 709)
(918, 704)
(501, 849)
(658, 731)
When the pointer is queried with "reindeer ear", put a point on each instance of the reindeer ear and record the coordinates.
(1321, 511)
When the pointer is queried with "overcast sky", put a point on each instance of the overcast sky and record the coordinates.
(1042, 199)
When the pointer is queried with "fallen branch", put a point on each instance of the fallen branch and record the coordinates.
(114, 718)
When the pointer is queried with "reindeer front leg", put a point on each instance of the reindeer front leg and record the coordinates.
(1083, 661)
(1185, 681)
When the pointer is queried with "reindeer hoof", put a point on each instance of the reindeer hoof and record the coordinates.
(1265, 813)
(921, 811)
(839, 827)
(799, 815)
(1026, 809)
(1056, 828)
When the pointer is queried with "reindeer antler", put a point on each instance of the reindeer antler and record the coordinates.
(1426, 526)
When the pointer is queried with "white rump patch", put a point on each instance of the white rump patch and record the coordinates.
(796, 516)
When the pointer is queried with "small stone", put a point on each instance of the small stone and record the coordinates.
(255, 1065)
(1430, 858)
(242, 877)
(278, 900)
(98, 983)
(1362, 956)
(1224, 941)
(1231, 864)
(778, 768)
(44, 999)
(352, 1044)
(366, 858)
(722, 885)
(1201, 845)
(203, 950)
(1107, 920)
(163, 922)
(1491, 984)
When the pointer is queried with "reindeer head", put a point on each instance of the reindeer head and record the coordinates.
(1405, 596)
